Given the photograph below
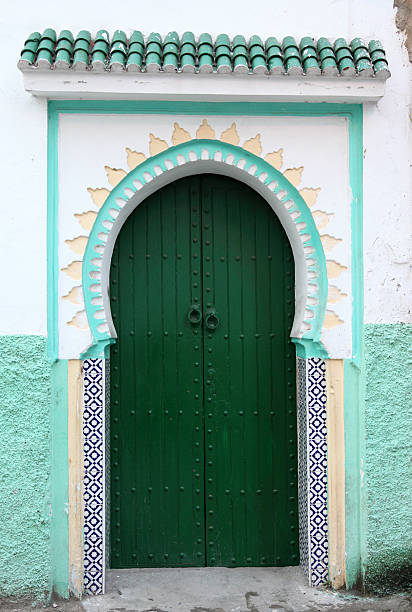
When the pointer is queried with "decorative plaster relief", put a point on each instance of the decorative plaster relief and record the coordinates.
(333, 240)
(230, 135)
(86, 219)
(98, 195)
(180, 135)
(205, 131)
(114, 175)
(78, 245)
(134, 158)
(157, 145)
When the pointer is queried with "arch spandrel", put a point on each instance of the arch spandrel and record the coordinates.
(196, 157)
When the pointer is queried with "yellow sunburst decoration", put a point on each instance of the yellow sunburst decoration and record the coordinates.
(230, 135)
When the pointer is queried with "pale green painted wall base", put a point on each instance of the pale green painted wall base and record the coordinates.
(387, 561)
(25, 438)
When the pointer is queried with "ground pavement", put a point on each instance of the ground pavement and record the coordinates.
(216, 590)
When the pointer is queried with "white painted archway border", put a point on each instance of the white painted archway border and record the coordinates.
(195, 157)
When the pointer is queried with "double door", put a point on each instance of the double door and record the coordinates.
(203, 404)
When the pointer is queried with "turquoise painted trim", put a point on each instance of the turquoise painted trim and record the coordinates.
(99, 350)
(309, 348)
(52, 236)
(156, 107)
(59, 541)
(146, 172)
(353, 416)
(354, 384)
(356, 183)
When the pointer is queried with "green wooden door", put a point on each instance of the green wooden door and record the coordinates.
(203, 403)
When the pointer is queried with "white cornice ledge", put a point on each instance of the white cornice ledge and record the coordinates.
(199, 87)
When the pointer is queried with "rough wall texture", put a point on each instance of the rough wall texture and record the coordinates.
(24, 466)
(403, 22)
(388, 416)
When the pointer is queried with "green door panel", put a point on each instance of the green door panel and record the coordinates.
(156, 425)
(250, 401)
(203, 413)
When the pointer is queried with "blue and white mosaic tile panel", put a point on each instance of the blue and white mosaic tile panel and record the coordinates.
(313, 518)
(94, 475)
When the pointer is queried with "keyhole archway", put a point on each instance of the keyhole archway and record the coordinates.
(215, 157)
(209, 156)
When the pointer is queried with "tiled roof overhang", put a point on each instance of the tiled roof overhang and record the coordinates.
(132, 67)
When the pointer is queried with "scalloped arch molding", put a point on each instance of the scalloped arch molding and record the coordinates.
(196, 157)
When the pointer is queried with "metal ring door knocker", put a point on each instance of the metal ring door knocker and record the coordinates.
(195, 314)
(212, 320)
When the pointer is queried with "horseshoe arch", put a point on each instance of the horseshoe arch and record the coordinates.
(209, 156)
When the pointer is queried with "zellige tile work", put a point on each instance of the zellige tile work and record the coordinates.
(313, 519)
(94, 475)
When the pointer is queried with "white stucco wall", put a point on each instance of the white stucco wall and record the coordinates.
(388, 213)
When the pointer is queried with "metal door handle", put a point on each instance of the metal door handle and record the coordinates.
(212, 320)
(195, 314)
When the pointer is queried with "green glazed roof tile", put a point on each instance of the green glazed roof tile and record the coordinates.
(64, 44)
(62, 60)
(31, 45)
(240, 64)
(205, 38)
(33, 36)
(80, 59)
(187, 62)
(289, 42)
(154, 47)
(134, 62)
(84, 35)
(134, 52)
(275, 65)
(239, 41)
(188, 48)
(119, 47)
(172, 38)
(102, 46)
(205, 63)
(222, 39)
(102, 35)
(119, 36)
(188, 38)
(224, 64)
(153, 62)
(205, 49)
(117, 61)
(136, 37)
(272, 41)
(81, 45)
(98, 61)
(170, 62)
(50, 34)
(66, 35)
(155, 37)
